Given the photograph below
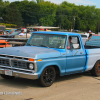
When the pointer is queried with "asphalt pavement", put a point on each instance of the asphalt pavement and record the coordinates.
(71, 87)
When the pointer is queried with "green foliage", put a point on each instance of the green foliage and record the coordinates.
(28, 12)
(87, 17)
(47, 13)
(12, 15)
(65, 15)
(8, 25)
(38, 1)
(38, 12)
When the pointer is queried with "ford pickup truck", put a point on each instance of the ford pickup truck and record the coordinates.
(48, 54)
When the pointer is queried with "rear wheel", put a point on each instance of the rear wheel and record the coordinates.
(48, 76)
(96, 69)
(7, 77)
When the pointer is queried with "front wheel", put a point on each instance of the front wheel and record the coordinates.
(7, 77)
(48, 76)
(96, 69)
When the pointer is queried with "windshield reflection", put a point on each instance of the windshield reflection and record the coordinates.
(48, 40)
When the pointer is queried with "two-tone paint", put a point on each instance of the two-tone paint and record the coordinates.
(67, 61)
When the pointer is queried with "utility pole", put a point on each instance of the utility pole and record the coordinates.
(1, 19)
(74, 22)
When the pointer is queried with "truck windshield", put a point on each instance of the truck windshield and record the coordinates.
(48, 40)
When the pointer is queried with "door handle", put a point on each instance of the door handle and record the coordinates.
(75, 53)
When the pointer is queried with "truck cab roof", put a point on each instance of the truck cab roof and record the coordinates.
(56, 32)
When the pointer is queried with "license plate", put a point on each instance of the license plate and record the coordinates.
(8, 72)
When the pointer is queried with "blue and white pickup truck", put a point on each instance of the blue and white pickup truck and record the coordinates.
(48, 54)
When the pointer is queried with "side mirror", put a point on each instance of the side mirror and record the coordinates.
(68, 47)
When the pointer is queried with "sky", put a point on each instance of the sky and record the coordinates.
(76, 2)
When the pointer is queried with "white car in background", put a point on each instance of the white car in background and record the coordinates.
(88, 34)
(85, 37)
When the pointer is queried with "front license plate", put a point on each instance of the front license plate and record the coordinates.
(8, 72)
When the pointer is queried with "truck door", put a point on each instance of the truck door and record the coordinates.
(75, 55)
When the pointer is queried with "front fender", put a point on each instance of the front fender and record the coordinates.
(62, 71)
(46, 65)
(59, 62)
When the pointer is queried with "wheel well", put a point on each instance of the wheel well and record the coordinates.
(96, 62)
(57, 69)
(95, 71)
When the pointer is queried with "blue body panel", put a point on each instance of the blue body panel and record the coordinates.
(56, 32)
(94, 41)
(92, 57)
(76, 58)
(68, 61)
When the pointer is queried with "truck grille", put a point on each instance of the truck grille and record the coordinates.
(19, 64)
(13, 61)
(2, 43)
(4, 62)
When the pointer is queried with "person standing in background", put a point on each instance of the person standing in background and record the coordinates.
(90, 34)
(22, 33)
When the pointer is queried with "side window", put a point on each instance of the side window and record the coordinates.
(73, 42)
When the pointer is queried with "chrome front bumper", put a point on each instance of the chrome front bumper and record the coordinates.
(21, 74)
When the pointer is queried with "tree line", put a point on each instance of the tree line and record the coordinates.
(44, 13)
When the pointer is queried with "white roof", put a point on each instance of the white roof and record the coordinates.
(44, 27)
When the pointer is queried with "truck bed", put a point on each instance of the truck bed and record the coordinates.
(91, 47)
(94, 42)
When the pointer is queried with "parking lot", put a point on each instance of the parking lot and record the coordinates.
(72, 87)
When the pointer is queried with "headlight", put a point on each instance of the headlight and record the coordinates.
(31, 66)
(6, 40)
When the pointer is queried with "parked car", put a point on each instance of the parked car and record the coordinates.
(12, 35)
(3, 43)
(3, 32)
(46, 55)
(84, 38)
(15, 34)
(15, 39)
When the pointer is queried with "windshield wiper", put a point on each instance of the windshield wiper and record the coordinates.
(39, 45)
(43, 45)
(31, 44)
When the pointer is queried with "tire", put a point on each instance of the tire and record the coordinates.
(7, 77)
(47, 77)
(96, 69)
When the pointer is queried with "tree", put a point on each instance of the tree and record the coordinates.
(47, 13)
(97, 15)
(29, 12)
(87, 16)
(12, 15)
(38, 1)
(65, 15)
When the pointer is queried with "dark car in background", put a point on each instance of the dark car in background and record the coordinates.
(15, 39)
(12, 35)
(16, 35)
(3, 32)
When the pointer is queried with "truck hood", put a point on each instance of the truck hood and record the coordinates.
(30, 52)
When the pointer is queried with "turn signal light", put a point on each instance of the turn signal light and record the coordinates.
(30, 59)
(39, 60)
